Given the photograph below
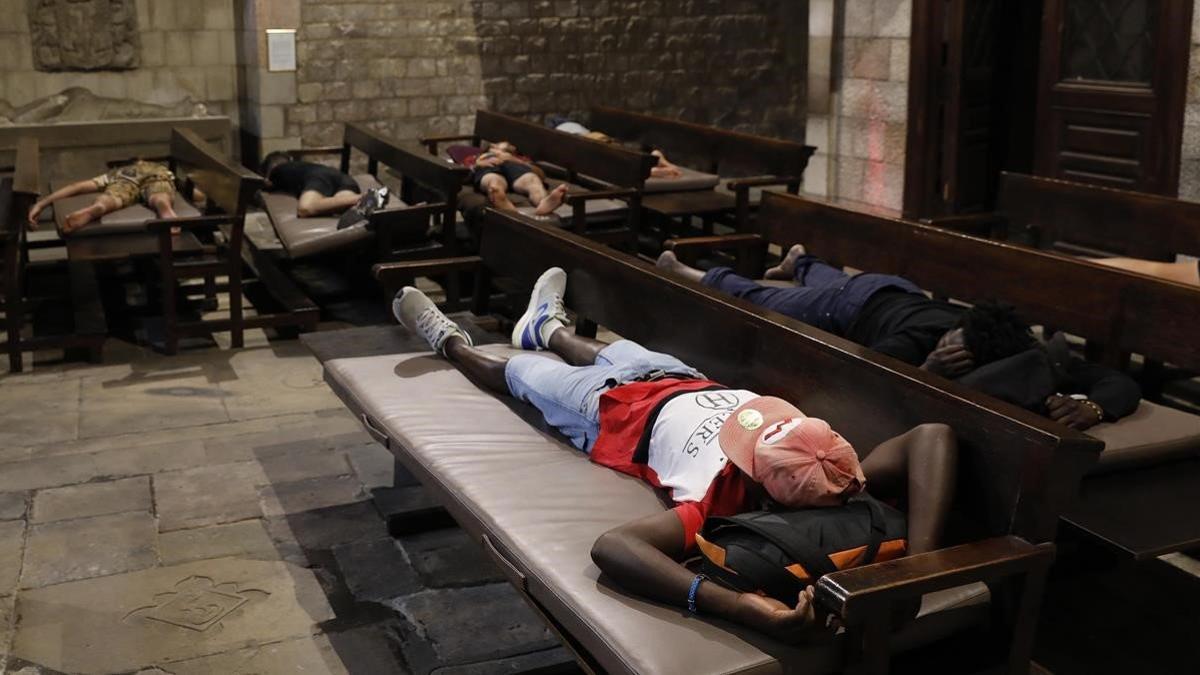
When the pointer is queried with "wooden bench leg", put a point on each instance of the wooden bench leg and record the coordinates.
(169, 311)
(237, 338)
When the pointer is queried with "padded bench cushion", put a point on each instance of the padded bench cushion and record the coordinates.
(690, 180)
(1152, 434)
(504, 475)
(303, 237)
(123, 221)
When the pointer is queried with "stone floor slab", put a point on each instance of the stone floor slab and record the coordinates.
(449, 557)
(177, 613)
(289, 371)
(110, 408)
(313, 434)
(92, 499)
(12, 545)
(312, 494)
(245, 539)
(7, 616)
(374, 465)
(44, 472)
(469, 625)
(365, 651)
(289, 468)
(44, 412)
(209, 495)
(13, 505)
(376, 570)
(557, 660)
(89, 547)
(323, 529)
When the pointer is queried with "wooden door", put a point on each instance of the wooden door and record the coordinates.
(1113, 77)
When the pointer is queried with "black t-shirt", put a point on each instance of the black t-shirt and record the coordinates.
(296, 178)
(904, 325)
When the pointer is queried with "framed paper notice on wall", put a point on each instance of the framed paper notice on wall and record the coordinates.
(281, 49)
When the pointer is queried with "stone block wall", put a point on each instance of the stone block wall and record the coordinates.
(187, 55)
(417, 68)
(858, 100)
(1189, 170)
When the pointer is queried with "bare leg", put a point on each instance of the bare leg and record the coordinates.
(1180, 272)
(89, 214)
(786, 269)
(920, 468)
(669, 262)
(531, 186)
(164, 205)
(313, 203)
(477, 364)
(575, 349)
(496, 188)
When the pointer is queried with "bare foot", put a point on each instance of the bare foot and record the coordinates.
(786, 269)
(552, 201)
(77, 220)
(670, 263)
(498, 198)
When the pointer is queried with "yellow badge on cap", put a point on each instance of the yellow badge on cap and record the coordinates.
(750, 419)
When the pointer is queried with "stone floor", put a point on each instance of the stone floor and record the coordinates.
(220, 512)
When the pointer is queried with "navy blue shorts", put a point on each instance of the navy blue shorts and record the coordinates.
(510, 170)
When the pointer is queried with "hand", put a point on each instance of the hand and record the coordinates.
(952, 360)
(1072, 412)
(776, 619)
(35, 211)
(489, 162)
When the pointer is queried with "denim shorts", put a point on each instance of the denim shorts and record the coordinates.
(569, 396)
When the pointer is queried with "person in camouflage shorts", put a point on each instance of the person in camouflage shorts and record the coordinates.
(150, 183)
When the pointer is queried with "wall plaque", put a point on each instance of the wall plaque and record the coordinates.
(84, 34)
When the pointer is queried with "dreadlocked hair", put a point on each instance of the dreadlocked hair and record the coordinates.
(992, 331)
(273, 160)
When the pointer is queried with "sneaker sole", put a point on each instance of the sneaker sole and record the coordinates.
(530, 312)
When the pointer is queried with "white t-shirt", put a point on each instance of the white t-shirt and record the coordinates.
(684, 448)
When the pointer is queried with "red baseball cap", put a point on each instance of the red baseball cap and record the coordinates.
(800, 460)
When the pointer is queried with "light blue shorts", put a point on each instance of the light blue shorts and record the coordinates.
(569, 396)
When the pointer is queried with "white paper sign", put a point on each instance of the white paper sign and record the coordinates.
(281, 49)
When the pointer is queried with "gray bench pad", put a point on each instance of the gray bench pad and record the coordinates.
(303, 237)
(1152, 434)
(123, 221)
(544, 504)
(690, 180)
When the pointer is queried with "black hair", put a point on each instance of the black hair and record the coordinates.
(993, 331)
(272, 160)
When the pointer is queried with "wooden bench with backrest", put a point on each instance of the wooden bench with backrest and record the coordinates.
(1087, 220)
(70, 318)
(605, 182)
(743, 161)
(538, 506)
(1118, 312)
(402, 229)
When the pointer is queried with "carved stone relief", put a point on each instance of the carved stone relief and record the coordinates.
(84, 34)
(77, 104)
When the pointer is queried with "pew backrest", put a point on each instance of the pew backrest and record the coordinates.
(229, 186)
(723, 152)
(1018, 470)
(577, 155)
(413, 164)
(1121, 311)
(1053, 213)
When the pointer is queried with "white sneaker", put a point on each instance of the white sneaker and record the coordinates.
(416, 312)
(545, 313)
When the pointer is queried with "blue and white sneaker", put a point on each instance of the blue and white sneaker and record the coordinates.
(545, 313)
(416, 312)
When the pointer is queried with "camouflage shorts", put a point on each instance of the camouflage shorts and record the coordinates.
(127, 184)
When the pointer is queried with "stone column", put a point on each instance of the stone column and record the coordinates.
(264, 96)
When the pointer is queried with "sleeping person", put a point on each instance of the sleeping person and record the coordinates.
(499, 168)
(149, 183)
(321, 190)
(663, 169)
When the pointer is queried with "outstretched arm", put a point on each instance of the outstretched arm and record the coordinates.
(641, 556)
(78, 188)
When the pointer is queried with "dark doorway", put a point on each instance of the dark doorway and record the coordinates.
(1086, 90)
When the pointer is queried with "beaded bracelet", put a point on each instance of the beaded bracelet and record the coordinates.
(1095, 408)
(692, 592)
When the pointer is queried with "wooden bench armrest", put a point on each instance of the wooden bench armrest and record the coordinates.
(323, 150)
(404, 215)
(189, 223)
(385, 272)
(162, 159)
(978, 224)
(432, 142)
(866, 592)
(618, 193)
(760, 181)
(718, 242)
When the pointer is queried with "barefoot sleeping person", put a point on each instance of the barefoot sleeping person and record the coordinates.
(639, 412)
(987, 346)
(321, 190)
(499, 169)
(151, 183)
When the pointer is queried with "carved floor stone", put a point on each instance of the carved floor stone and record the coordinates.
(84, 34)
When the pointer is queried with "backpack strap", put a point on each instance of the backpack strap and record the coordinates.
(878, 528)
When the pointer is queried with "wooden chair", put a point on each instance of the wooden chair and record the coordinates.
(72, 318)
(1019, 472)
(1154, 454)
(743, 161)
(597, 174)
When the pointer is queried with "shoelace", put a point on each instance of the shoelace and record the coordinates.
(433, 325)
(559, 310)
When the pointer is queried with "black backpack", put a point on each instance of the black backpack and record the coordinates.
(778, 553)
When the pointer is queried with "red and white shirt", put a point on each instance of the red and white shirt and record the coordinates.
(667, 433)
